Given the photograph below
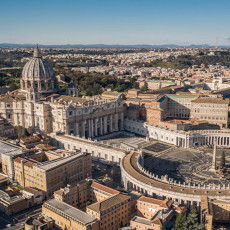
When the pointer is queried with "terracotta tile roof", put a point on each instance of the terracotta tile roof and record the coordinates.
(59, 192)
(18, 159)
(157, 221)
(45, 147)
(108, 203)
(164, 203)
(30, 139)
(210, 100)
(26, 162)
(29, 164)
(104, 188)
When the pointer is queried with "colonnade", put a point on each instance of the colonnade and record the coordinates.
(209, 140)
(190, 195)
(97, 126)
(131, 183)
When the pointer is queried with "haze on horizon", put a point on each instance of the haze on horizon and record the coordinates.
(126, 22)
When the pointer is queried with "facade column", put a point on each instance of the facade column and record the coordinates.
(83, 129)
(101, 126)
(122, 120)
(92, 130)
(186, 141)
(67, 128)
(39, 85)
(111, 123)
(76, 128)
(116, 121)
(96, 121)
(89, 128)
(105, 124)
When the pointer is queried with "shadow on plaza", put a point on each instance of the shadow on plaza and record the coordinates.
(162, 167)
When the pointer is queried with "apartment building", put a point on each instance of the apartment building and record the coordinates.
(99, 192)
(179, 106)
(212, 110)
(153, 214)
(113, 212)
(148, 207)
(49, 171)
(214, 211)
(75, 194)
(66, 216)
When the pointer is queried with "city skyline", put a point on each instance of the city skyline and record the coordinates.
(122, 23)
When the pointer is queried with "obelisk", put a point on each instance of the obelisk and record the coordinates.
(214, 156)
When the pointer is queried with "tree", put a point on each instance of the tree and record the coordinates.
(222, 160)
(144, 87)
(192, 221)
(180, 221)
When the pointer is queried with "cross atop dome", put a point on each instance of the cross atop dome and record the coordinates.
(37, 52)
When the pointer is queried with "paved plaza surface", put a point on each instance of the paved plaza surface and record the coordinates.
(185, 165)
(180, 164)
(121, 139)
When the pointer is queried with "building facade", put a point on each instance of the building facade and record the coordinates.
(113, 212)
(213, 110)
(75, 194)
(39, 106)
(48, 171)
(66, 216)
(214, 211)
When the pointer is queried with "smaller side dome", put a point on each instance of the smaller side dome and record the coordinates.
(72, 89)
(71, 85)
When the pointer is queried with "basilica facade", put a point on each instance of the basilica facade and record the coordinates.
(39, 105)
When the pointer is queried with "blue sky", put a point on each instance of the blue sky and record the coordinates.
(115, 21)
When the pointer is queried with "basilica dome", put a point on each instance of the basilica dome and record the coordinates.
(39, 73)
(37, 68)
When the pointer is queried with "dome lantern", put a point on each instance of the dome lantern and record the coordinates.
(37, 52)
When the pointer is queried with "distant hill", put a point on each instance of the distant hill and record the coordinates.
(11, 45)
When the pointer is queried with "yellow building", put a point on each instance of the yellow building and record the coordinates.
(212, 110)
(75, 194)
(148, 207)
(113, 212)
(49, 172)
(217, 211)
(99, 192)
(66, 216)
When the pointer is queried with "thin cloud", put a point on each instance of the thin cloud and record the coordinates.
(227, 38)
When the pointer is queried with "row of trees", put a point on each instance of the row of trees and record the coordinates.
(10, 78)
(94, 83)
(191, 222)
(186, 61)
